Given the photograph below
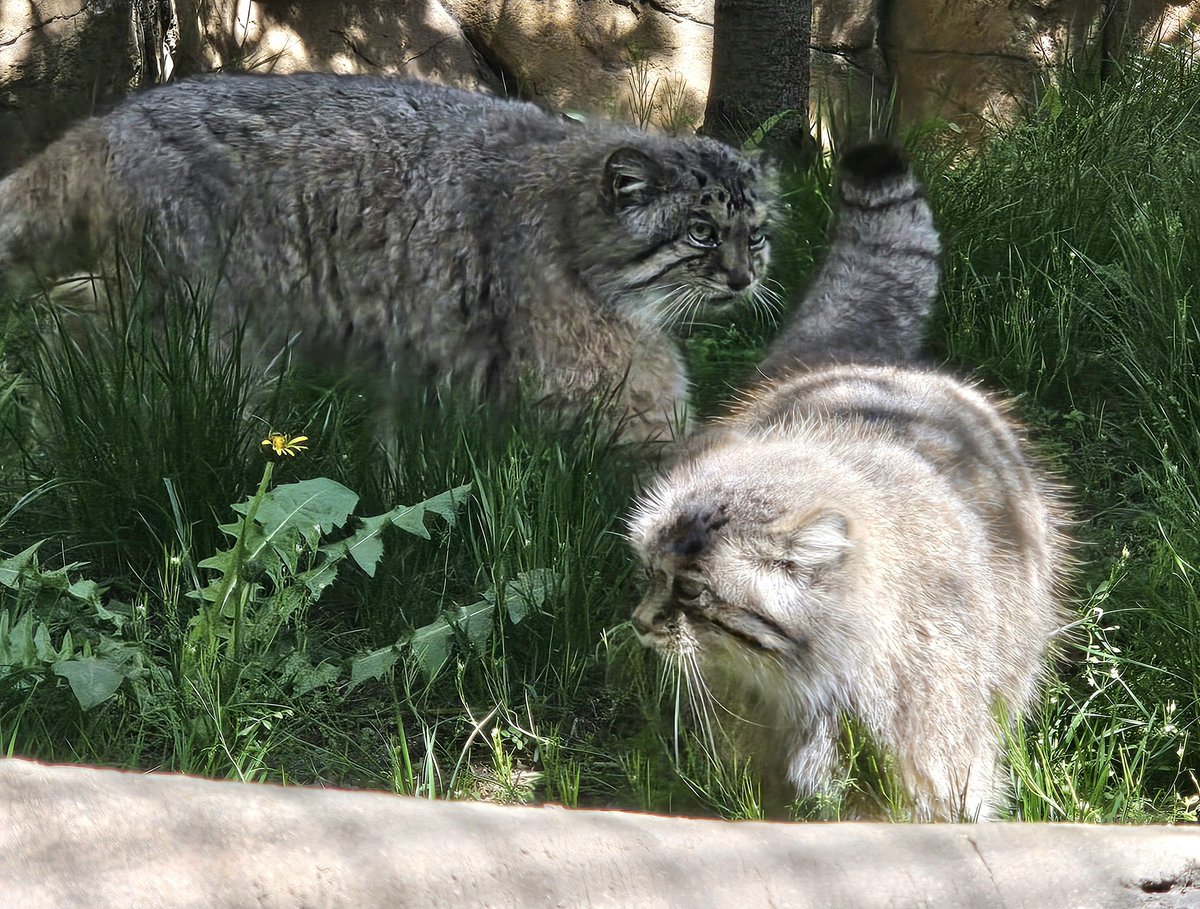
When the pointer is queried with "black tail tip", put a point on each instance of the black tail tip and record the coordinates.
(874, 162)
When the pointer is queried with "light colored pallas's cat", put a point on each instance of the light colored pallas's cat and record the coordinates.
(860, 538)
(409, 226)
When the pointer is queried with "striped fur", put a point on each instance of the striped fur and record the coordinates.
(412, 227)
(861, 539)
(871, 297)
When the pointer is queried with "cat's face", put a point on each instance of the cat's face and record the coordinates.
(697, 228)
(734, 566)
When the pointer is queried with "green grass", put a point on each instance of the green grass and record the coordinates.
(1073, 242)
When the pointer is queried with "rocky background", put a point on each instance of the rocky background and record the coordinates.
(970, 61)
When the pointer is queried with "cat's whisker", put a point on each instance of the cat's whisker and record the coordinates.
(693, 305)
(681, 682)
(707, 719)
(679, 304)
(771, 294)
(662, 309)
(769, 299)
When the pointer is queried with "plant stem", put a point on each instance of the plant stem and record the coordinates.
(234, 580)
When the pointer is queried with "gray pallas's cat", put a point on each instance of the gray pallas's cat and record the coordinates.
(860, 540)
(395, 223)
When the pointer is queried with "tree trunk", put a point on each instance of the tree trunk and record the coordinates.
(759, 85)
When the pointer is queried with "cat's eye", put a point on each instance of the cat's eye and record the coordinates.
(757, 238)
(702, 233)
(687, 589)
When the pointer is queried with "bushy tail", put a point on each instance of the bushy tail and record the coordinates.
(872, 296)
(55, 211)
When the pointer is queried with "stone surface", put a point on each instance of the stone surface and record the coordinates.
(57, 59)
(979, 59)
(62, 59)
(82, 838)
(646, 61)
(416, 38)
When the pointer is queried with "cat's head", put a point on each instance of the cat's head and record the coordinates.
(736, 565)
(692, 220)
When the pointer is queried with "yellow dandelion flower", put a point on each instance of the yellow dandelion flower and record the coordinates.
(279, 445)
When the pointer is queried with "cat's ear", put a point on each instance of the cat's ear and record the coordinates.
(631, 178)
(807, 545)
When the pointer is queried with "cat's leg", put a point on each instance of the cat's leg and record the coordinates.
(653, 394)
(950, 771)
(634, 374)
(814, 759)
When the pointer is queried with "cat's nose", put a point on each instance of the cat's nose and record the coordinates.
(738, 280)
(648, 618)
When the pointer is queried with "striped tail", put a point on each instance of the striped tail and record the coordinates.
(873, 293)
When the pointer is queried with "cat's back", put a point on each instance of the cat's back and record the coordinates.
(923, 434)
(260, 124)
(940, 419)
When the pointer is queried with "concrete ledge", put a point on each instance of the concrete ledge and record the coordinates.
(75, 837)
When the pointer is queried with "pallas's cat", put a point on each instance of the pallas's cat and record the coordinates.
(860, 539)
(412, 228)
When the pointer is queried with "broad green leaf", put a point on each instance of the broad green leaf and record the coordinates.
(312, 507)
(411, 518)
(431, 643)
(364, 546)
(18, 646)
(475, 621)
(92, 679)
(44, 647)
(431, 646)
(315, 580)
(88, 592)
(285, 601)
(372, 665)
(12, 569)
(527, 592)
(446, 504)
(314, 678)
(304, 676)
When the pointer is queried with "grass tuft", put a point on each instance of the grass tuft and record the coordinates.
(489, 660)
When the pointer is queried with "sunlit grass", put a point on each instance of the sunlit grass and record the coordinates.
(1073, 242)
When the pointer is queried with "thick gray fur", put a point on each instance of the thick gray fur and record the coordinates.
(861, 539)
(873, 293)
(409, 225)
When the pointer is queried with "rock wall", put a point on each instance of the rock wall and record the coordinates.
(59, 57)
(972, 61)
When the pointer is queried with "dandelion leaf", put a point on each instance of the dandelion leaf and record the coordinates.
(411, 518)
(93, 680)
(430, 646)
(87, 591)
(304, 676)
(527, 593)
(44, 647)
(311, 507)
(372, 665)
(475, 621)
(364, 545)
(18, 647)
(12, 570)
